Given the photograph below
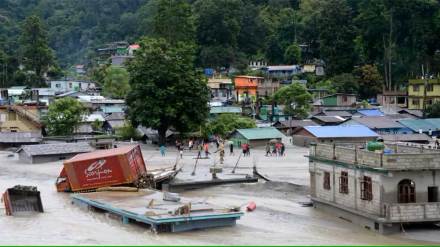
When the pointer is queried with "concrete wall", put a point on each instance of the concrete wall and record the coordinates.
(23, 157)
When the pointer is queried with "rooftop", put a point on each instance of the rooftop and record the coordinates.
(57, 148)
(407, 138)
(378, 122)
(20, 137)
(421, 124)
(297, 123)
(260, 133)
(341, 131)
(370, 112)
(330, 119)
(225, 109)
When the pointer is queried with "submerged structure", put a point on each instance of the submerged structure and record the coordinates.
(381, 190)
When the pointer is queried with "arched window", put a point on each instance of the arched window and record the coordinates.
(406, 191)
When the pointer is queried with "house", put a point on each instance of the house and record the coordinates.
(413, 138)
(416, 92)
(113, 122)
(100, 103)
(132, 49)
(256, 136)
(221, 89)
(370, 113)
(338, 101)
(333, 134)
(281, 71)
(380, 191)
(149, 135)
(16, 139)
(430, 126)
(17, 94)
(42, 153)
(393, 99)
(381, 125)
(343, 114)
(66, 86)
(20, 118)
(290, 126)
(414, 113)
(246, 87)
(328, 120)
(44, 95)
(72, 94)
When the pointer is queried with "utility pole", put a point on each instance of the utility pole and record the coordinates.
(425, 85)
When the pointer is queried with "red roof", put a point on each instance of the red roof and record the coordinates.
(134, 46)
(102, 153)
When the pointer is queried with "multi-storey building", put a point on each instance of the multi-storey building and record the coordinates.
(381, 191)
(416, 93)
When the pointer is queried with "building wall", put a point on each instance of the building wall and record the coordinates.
(11, 121)
(23, 157)
(416, 89)
(50, 158)
(352, 199)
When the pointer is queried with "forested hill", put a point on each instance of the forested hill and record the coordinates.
(344, 33)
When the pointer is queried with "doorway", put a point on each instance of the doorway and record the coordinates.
(406, 191)
(432, 194)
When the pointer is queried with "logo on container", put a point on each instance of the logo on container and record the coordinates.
(96, 170)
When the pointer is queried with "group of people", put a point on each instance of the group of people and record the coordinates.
(246, 149)
(276, 149)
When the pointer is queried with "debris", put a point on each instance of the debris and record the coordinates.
(151, 203)
(185, 209)
(306, 204)
(172, 197)
(22, 199)
(251, 206)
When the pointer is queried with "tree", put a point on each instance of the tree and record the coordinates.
(345, 83)
(64, 116)
(295, 98)
(433, 111)
(369, 81)
(37, 56)
(292, 55)
(336, 36)
(166, 90)
(127, 132)
(97, 125)
(174, 21)
(226, 124)
(116, 82)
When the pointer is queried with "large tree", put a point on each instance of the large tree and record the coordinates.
(37, 56)
(116, 82)
(64, 116)
(166, 90)
(295, 98)
(336, 36)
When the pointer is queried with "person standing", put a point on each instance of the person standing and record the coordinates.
(243, 148)
(206, 148)
(248, 149)
(267, 149)
(231, 148)
(283, 149)
(162, 150)
(190, 144)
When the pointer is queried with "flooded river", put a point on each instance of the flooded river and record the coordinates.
(278, 219)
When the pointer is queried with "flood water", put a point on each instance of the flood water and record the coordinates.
(278, 219)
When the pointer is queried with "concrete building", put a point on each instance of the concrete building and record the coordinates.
(66, 86)
(416, 92)
(246, 87)
(221, 89)
(256, 136)
(16, 139)
(290, 126)
(20, 118)
(333, 134)
(393, 100)
(42, 153)
(379, 191)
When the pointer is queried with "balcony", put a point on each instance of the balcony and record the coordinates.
(412, 212)
(401, 157)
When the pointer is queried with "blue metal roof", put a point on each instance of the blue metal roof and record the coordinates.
(371, 112)
(346, 131)
(423, 124)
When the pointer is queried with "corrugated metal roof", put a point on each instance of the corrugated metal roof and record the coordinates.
(406, 138)
(20, 137)
(345, 131)
(423, 124)
(58, 148)
(330, 119)
(225, 109)
(378, 122)
(116, 116)
(298, 123)
(260, 133)
(371, 112)
(337, 113)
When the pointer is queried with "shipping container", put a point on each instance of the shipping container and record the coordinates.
(103, 168)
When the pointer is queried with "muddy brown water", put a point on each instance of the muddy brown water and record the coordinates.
(278, 220)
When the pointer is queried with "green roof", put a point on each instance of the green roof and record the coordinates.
(225, 109)
(260, 133)
(423, 124)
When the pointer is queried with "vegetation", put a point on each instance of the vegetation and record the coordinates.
(295, 98)
(127, 132)
(64, 116)
(115, 82)
(166, 90)
(226, 124)
(433, 111)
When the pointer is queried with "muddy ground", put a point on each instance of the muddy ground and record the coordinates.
(278, 219)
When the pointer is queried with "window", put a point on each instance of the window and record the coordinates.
(429, 102)
(415, 88)
(406, 191)
(343, 183)
(415, 102)
(366, 189)
(429, 87)
(326, 184)
(12, 116)
(432, 194)
(344, 98)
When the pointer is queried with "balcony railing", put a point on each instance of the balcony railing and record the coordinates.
(412, 212)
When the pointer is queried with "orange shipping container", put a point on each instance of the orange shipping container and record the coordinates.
(103, 168)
